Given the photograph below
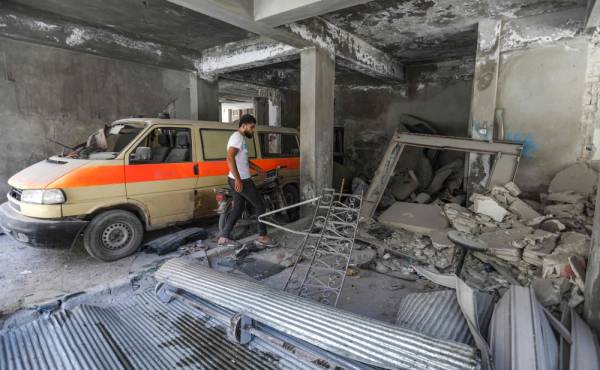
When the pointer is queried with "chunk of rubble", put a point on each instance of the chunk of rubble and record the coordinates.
(550, 291)
(565, 210)
(439, 239)
(573, 243)
(523, 210)
(404, 184)
(488, 206)
(540, 244)
(570, 244)
(568, 196)
(513, 189)
(552, 225)
(506, 244)
(517, 206)
(461, 218)
(419, 218)
(422, 198)
(578, 177)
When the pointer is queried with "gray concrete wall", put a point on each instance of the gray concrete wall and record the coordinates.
(370, 115)
(64, 95)
(541, 92)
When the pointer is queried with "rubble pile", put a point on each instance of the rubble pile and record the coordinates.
(544, 243)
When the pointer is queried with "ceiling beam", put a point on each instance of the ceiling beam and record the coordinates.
(245, 54)
(42, 28)
(276, 12)
(237, 13)
(350, 51)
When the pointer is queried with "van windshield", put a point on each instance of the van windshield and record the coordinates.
(105, 143)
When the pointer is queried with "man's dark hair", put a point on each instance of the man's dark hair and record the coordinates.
(247, 118)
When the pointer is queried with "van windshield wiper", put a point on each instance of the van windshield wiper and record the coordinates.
(58, 143)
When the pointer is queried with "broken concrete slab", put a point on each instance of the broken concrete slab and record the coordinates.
(540, 244)
(461, 218)
(523, 210)
(403, 185)
(443, 174)
(422, 198)
(552, 225)
(578, 266)
(568, 196)
(488, 206)
(578, 177)
(549, 292)
(419, 218)
(565, 210)
(512, 188)
(573, 243)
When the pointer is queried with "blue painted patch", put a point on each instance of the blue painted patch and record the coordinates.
(529, 145)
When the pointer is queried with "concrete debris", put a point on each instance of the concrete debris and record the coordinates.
(549, 292)
(565, 210)
(461, 218)
(573, 243)
(552, 225)
(403, 185)
(578, 266)
(523, 210)
(420, 218)
(513, 189)
(542, 242)
(422, 198)
(579, 178)
(568, 196)
(488, 206)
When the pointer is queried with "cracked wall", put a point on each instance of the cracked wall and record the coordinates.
(64, 95)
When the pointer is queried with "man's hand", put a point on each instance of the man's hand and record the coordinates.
(239, 185)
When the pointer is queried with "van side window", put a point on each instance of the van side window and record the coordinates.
(169, 145)
(214, 144)
(274, 144)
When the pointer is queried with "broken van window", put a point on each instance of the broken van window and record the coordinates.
(105, 143)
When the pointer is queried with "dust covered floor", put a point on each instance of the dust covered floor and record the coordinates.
(30, 276)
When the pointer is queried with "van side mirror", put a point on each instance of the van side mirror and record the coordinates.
(142, 154)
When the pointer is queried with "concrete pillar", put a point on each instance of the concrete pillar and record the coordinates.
(483, 100)
(317, 79)
(204, 99)
(261, 110)
(275, 113)
(591, 305)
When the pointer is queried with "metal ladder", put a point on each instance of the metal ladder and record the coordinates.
(328, 245)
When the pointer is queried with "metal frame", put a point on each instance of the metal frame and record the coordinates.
(329, 250)
(507, 153)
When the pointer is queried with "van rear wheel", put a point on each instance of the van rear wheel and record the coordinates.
(113, 235)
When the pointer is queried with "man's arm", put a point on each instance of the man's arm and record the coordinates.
(231, 153)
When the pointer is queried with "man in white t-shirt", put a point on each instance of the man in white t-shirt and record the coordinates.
(241, 182)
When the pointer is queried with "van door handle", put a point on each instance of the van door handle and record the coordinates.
(195, 168)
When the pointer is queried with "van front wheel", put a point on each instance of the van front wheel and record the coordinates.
(112, 235)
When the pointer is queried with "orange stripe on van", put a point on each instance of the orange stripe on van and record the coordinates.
(159, 172)
(91, 176)
(108, 175)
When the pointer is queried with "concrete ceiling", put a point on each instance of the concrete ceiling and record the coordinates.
(417, 30)
(152, 20)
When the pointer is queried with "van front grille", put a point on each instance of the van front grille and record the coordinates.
(15, 194)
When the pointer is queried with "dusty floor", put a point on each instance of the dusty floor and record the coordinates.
(32, 276)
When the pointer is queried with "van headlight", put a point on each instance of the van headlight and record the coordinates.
(50, 196)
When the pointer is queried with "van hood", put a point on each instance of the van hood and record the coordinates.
(44, 173)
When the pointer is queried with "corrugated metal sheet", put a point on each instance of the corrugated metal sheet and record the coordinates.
(438, 314)
(343, 333)
(142, 334)
(520, 334)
